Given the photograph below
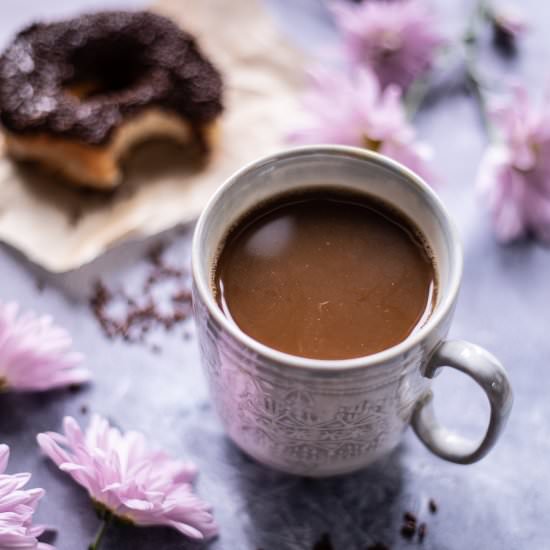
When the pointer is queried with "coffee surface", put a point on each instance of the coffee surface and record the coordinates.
(326, 276)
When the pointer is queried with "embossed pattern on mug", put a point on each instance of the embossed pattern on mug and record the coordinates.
(299, 420)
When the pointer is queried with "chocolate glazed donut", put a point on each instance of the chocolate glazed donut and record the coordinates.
(78, 94)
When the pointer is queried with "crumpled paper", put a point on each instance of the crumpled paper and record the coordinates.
(61, 228)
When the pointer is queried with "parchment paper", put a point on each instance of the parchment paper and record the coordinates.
(62, 228)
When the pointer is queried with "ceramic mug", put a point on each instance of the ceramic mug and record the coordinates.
(324, 417)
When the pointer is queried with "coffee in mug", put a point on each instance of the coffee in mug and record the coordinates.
(326, 274)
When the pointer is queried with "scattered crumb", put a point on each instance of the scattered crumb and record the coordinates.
(408, 529)
(155, 253)
(409, 517)
(183, 296)
(324, 543)
(163, 302)
(84, 409)
(40, 285)
(48, 536)
(422, 530)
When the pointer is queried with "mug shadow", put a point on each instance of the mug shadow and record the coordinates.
(348, 512)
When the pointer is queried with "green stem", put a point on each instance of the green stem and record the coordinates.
(470, 39)
(100, 532)
(419, 89)
(477, 16)
(417, 92)
(415, 96)
(476, 87)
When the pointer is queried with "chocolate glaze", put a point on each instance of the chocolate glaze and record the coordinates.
(139, 59)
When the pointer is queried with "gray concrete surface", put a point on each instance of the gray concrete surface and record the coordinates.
(500, 503)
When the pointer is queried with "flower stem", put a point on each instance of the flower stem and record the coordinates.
(106, 520)
(415, 96)
(470, 39)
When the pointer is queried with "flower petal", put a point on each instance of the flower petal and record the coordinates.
(398, 41)
(17, 507)
(514, 175)
(36, 353)
(4, 457)
(120, 472)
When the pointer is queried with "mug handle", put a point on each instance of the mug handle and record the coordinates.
(487, 371)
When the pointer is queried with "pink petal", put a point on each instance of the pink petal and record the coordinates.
(73, 432)
(4, 457)
(398, 41)
(52, 449)
(514, 176)
(351, 109)
(17, 507)
(132, 481)
(36, 354)
(187, 530)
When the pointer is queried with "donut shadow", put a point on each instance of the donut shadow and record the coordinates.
(147, 164)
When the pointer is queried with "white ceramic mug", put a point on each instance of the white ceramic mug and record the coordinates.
(323, 417)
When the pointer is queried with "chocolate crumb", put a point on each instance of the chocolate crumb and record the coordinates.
(40, 285)
(163, 302)
(422, 530)
(154, 254)
(324, 543)
(84, 409)
(408, 530)
(183, 296)
(409, 517)
(432, 505)
(48, 536)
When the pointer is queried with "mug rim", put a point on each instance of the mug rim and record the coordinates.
(204, 291)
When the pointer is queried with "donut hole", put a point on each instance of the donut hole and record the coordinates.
(103, 68)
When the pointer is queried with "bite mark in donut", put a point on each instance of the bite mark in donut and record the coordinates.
(78, 94)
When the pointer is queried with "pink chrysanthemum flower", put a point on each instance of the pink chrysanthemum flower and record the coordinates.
(17, 506)
(35, 354)
(396, 40)
(514, 175)
(352, 110)
(127, 480)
